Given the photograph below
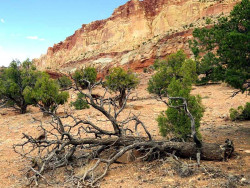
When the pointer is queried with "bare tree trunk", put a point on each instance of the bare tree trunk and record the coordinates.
(23, 109)
(209, 151)
(122, 97)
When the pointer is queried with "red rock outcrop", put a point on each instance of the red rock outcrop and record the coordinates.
(135, 35)
(54, 74)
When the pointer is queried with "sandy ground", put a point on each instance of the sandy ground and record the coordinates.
(215, 128)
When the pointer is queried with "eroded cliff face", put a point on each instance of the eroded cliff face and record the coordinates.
(135, 35)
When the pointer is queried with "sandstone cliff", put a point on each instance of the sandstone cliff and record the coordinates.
(135, 35)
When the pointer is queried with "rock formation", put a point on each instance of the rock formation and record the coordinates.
(136, 34)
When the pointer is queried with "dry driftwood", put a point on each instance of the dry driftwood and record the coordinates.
(209, 151)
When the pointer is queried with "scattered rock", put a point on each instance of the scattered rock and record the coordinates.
(244, 181)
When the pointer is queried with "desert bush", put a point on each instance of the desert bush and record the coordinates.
(174, 78)
(241, 113)
(175, 66)
(145, 70)
(46, 94)
(15, 79)
(80, 103)
(121, 81)
(64, 82)
(175, 121)
(81, 76)
(208, 20)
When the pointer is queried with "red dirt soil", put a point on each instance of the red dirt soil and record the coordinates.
(215, 128)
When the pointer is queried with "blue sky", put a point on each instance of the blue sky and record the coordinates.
(29, 27)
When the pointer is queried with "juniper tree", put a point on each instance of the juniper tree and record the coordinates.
(64, 82)
(174, 77)
(15, 79)
(46, 94)
(121, 81)
(223, 50)
(84, 76)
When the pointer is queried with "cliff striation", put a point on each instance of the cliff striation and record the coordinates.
(136, 34)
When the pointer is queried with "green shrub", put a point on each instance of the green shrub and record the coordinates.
(81, 75)
(121, 81)
(64, 82)
(80, 102)
(15, 79)
(234, 114)
(208, 20)
(174, 78)
(46, 93)
(246, 111)
(175, 121)
(176, 66)
(241, 113)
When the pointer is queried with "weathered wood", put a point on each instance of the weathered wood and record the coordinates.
(209, 151)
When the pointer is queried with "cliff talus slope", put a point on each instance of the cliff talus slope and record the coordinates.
(136, 34)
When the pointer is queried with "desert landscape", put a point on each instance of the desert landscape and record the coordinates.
(156, 95)
(215, 128)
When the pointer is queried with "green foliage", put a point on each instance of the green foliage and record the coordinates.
(81, 75)
(175, 121)
(80, 102)
(241, 113)
(234, 114)
(246, 111)
(226, 48)
(15, 79)
(64, 82)
(46, 93)
(208, 20)
(207, 67)
(174, 78)
(121, 81)
(176, 66)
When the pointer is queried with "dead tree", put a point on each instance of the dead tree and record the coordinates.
(84, 140)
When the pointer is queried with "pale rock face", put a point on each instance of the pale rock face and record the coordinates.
(135, 35)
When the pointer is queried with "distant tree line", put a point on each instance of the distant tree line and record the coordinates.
(21, 85)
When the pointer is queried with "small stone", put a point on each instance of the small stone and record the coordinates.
(243, 180)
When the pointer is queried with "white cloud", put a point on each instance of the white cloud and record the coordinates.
(2, 20)
(35, 38)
